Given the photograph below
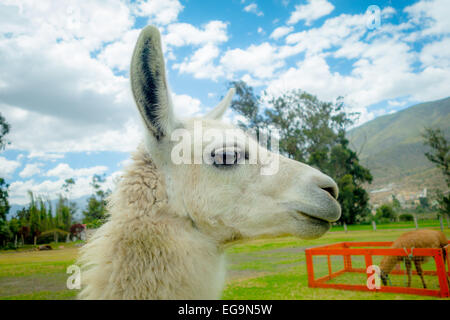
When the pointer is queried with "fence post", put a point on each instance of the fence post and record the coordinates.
(440, 268)
(374, 225)
(441, 222)
(345, 227)
(415, 221)
(309, 268)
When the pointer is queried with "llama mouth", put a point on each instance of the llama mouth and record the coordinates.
(330, 212)
(315, 219)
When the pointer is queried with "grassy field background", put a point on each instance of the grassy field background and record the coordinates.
(257, 269)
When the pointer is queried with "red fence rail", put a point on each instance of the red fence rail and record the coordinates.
(349, 249)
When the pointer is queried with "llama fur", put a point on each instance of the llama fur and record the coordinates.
(169, 223)
(146, 252)
(423, 238)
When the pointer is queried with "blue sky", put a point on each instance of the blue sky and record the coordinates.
(64, 70)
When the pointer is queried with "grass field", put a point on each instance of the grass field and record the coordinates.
(258, 269)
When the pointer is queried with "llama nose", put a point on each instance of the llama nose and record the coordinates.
(328, 185)
(333, 191)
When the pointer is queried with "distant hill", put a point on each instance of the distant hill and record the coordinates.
(391, 146)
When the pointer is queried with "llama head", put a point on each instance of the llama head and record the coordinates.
(218, 176)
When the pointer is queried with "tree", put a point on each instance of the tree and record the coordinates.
(14, 226)
(386, 213)
(4, 129)
(68, 185)
(4, 203)
(247, 104)
(5, 233)
(396, 205)
(96, 206)
(439, 155)
(76, 229)
(311, 131)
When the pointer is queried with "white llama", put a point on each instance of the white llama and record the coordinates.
(169, 222)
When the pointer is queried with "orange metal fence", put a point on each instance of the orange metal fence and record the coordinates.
(348, 249)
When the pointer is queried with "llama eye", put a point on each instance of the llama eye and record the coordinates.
(225, 157)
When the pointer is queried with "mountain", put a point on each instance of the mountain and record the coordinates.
(392, 147)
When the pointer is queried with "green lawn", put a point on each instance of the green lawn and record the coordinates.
(429, 223)
(257, 269)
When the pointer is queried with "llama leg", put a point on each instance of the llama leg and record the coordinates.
(408, 270)
(420, 272)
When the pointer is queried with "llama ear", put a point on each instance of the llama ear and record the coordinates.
(222, 107)
(149, 83)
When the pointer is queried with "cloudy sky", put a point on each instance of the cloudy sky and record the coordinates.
(64, 85)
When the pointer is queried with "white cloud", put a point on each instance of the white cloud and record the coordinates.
(118, 54)
(181, 34)
(375, 76)
(281, 32)
(64, 171)
(18, 190)
(159, 11)
(124, 163)
(8, 167)
(332, 33)
(201, 63)
(88, 22)
(260, 60)
(313, 10)
(436, 54)
(185, 106)
(50, 189)
(45, 155)
(395, 103)
(30, 170)
(70, 95)
(431, 15)
(253, 8)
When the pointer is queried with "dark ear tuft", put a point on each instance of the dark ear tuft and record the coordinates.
(149, 84)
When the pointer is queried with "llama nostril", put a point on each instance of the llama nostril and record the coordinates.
(332, 191)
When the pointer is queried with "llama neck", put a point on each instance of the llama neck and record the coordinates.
(388, 263)
(147, 252)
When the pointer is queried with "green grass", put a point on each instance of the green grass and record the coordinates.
(259, 269)
(430, 223)
(279, 269)
(44, 295)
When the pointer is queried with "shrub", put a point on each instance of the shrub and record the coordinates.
(94, 224)
(406, 217)
(385, 213)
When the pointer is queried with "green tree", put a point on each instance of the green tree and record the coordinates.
(385, 213)
(68, 185)
(4, 130)
(311, 131)
(440, 156)
(71, 206)
(14, 226)
(4, 203)
(96, 206)
(396, 204)
(35, 217)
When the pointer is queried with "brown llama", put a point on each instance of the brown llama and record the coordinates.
(413, 239)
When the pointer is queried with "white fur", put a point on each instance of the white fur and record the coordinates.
(169, 223)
